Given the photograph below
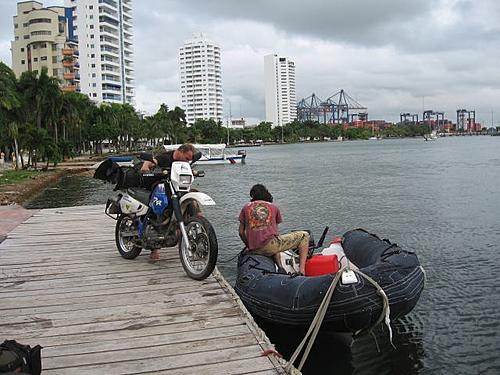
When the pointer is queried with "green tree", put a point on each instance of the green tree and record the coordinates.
(38, 90)
(9, 103)
(263, 131)
(209, 131)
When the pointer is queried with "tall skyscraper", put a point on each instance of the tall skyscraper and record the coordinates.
(103, 29)
(201, 79)
(43, 38)
(281, 100)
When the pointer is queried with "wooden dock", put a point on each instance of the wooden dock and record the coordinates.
(64, 286)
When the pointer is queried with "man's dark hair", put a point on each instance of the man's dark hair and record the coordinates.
(259, 192)
(186, 147)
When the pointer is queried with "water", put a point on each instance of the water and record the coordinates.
(440, 199)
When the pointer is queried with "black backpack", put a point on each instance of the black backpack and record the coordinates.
(15, 356)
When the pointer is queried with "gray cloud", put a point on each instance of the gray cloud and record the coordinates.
(387, 54)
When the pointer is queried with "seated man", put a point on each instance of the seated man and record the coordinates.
(259, 221)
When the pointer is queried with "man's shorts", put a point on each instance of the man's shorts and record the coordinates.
(284, 242)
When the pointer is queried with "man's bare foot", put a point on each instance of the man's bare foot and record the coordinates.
(155, 255)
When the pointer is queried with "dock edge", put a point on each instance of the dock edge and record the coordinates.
(263, 340)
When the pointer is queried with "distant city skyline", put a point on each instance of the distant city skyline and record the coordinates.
(387, 55)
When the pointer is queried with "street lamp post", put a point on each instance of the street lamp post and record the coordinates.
(229, 120)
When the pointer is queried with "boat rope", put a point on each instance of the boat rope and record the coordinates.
(315, 324)
(425, 275)
(313, 330)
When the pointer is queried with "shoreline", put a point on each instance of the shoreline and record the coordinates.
(22, 192)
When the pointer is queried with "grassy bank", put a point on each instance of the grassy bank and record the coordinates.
(17, 187)
(11, 176)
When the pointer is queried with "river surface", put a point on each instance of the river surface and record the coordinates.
(440, 199)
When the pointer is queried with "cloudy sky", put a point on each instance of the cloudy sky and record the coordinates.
(392, 56)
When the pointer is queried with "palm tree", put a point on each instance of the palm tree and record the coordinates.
(9, 102)
(85, 108)
(37, 91)
(178, 126)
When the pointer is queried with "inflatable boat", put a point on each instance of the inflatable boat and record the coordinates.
(356, 304)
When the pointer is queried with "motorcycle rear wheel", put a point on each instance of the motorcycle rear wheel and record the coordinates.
(199, 260)
(126, 234)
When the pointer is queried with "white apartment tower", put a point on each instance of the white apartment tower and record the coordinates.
(281, 100)
(103, 30)
(201, 79)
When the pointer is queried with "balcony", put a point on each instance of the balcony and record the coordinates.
(69, 88)
(108, 20)
(68, 51)
(111, 87)
(112, 97)
(111, 14)
(69, 76)
(109, 2)
(68, 63)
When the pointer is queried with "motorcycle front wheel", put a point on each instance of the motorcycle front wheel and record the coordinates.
(126, 235)
(200, 256)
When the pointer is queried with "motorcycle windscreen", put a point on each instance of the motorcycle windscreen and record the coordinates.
(159, 200)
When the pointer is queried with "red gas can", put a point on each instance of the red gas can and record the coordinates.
(321, 265)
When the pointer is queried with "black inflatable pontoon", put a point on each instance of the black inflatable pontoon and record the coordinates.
(286, 300)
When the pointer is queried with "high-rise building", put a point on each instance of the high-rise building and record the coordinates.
(201, 79)
(43, 38)
(103, 29)
(281, 100)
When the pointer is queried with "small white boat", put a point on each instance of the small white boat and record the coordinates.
(431, 137)
(214, 154)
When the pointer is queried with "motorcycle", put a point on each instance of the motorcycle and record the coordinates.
(167, 216)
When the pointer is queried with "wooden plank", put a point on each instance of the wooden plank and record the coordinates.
(159, 338)
(258, 365)
(10, 276)
(124, 293)
(52, 286)
(134, 329)
(158, 363)
(115, 314)
(39, 307)
(107, 287)
(148, 351)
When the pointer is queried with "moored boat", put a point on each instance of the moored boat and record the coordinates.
(431, 137)
(214, 154)
(356, 304)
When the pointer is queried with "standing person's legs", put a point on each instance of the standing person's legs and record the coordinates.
(155, 254)
(293, 240)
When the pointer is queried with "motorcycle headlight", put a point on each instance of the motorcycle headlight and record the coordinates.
(184, 179)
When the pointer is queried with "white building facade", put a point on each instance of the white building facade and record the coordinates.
(201, 79)
(281, 99)
(103, 30)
